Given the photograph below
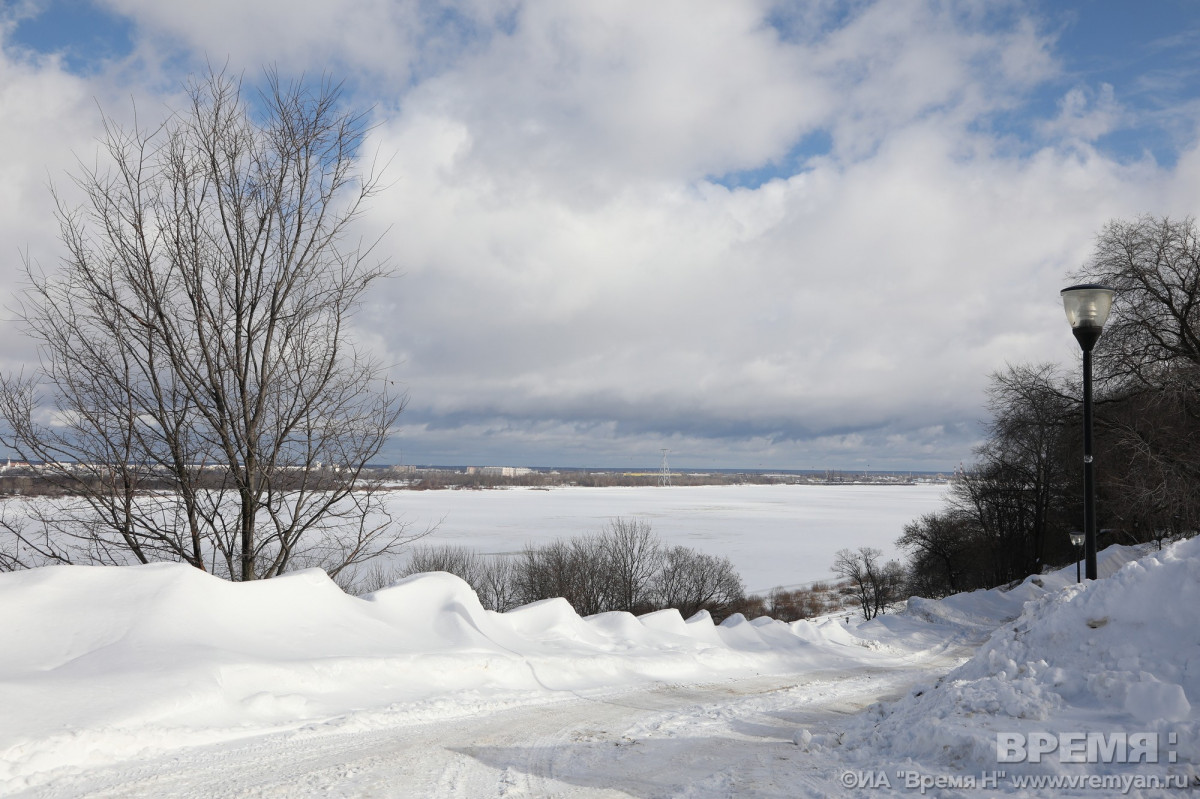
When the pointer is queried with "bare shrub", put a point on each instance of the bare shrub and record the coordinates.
(751, 606)
(564, 569)
(497, 589)
(490, 577)
(375, 577)
(459, 561)
(801, 603)
(692, 581)
(625, 568)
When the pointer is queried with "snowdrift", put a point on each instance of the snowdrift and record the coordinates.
(104, 664)
(1118, 657)
(109, 662)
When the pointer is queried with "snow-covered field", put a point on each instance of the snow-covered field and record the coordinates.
(160, 680)
(776, 535)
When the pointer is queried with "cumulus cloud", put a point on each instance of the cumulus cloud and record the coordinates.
(385, 44)
(46, 123)
(615, 233)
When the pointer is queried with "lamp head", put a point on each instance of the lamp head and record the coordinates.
(1087, 306)
(1077, 538)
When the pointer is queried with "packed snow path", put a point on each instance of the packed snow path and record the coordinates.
(727, 739)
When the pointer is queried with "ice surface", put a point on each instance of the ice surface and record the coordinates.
(776, 535)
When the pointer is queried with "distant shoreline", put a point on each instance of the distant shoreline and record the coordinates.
(18, 478)
(420, 478)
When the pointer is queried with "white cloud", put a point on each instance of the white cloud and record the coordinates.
(576, 284)
(1085, 115)
(49, 118)
(898, 62)
(873, 294)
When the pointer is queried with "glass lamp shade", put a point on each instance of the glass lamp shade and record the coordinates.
(1077, 539)
(1087, 305)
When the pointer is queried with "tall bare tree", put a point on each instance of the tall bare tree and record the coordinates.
(631, 556)
(1153, 335)
(195, 341)
(1018, 491)
(1149, 363)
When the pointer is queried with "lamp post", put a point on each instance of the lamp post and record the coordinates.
(1087, 306)
(1077, 542)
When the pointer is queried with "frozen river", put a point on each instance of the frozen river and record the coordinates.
(776, 535)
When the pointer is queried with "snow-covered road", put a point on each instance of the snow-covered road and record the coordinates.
(733, 738)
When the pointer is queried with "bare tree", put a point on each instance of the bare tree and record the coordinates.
(24, 545)
(889, 586)
(1018, 494)
(497, 589)
(876, 585)
(1153, 334)
(1148, 362)
(855, 567)
(631, 558)
(692, 581)
(564, 568)
(625, 568)
(941, 545)
(196, 340)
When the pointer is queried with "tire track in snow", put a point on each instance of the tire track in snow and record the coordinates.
(728, 738)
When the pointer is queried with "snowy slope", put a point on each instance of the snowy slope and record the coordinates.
(102, 663)
(108, 666)
(1118, 658)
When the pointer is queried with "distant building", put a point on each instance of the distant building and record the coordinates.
(499, 471)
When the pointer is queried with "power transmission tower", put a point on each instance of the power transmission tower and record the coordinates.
(664, 471)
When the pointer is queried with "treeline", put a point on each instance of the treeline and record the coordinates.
(35, 481)
(624, 567)
(440, 479)
(1010, 515)
(97, 479)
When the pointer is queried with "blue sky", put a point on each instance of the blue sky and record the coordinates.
(86, 35)
(761, 234)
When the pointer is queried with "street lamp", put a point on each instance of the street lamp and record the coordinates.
(1087, 306)
(1077, 541)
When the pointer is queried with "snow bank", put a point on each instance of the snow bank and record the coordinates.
(1117, 658)
(101, 665)
(104, 663)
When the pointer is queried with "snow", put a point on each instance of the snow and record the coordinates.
(1117, 656)
(776, 535)
(107, 662)
(159, 679)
